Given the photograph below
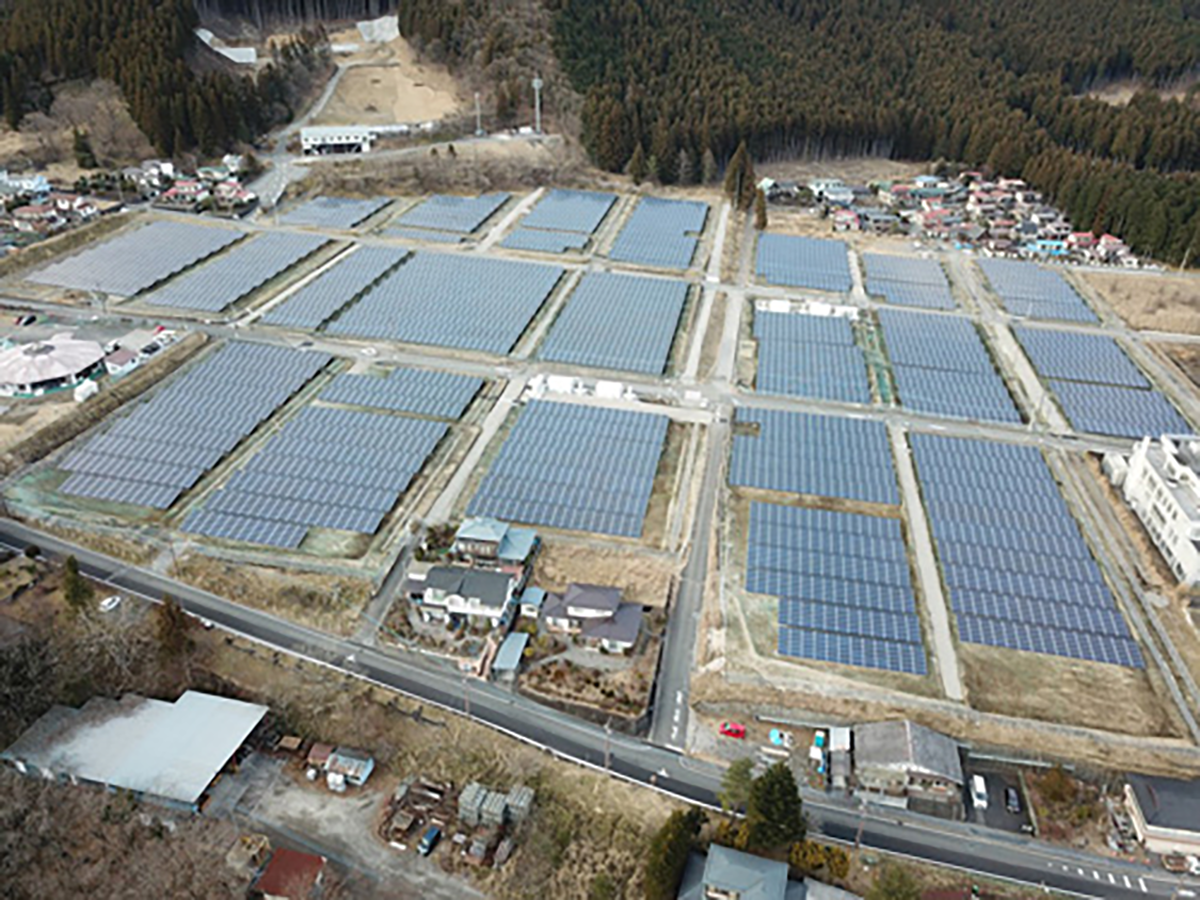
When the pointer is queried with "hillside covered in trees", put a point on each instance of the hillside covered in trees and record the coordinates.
(148, 49)
(994, 83)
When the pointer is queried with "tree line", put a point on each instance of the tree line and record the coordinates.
(149, 50)
(992, 84)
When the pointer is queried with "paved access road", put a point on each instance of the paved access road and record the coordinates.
(628, 758)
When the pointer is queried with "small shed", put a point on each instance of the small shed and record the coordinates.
(494, 809)
(531, 602)
(353, 765)
(520, 802)
(318, 755)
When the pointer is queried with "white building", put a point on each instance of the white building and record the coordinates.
(318, 139)
(1163, 488)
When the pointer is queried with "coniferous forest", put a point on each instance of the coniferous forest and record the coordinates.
(995, 83)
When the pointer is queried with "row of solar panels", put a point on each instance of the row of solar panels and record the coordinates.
(1027, 289)
(661, 233)
(809, 356)
(802, 262)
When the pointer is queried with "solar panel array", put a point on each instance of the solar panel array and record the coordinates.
(563, 210)
(226, 279)
(941, 367)
(802, 262)
(1118, 411)
(1099, 388)
(1016, 568)
(843, 583)
(1029, 290)
(580, 468)
(137, 260)
(165, 445)
(327, 468)
(825, 456)
(618, 322)
(544, 241)
(333, 212)
(908, 281)
(422, 391)
(444, 212)
(809, 356)
(661, 233)
(334, 288)
(471, 303)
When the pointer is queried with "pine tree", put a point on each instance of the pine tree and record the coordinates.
(774, 813)
(708, 167)
(638, 168)
(735, 172)
(736, 783)
(77, 591)
(85, 158)
(686, 167)
(760, 210)
(668, 851)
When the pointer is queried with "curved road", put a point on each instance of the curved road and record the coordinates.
(963, 846)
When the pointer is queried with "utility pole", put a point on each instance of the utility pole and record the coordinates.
(466, 697)
(607, 743)
(478, 117)
(538, 84)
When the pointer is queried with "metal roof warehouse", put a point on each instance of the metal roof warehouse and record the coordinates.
(167, 753)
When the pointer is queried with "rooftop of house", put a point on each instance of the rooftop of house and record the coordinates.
(600, 598)
(534, 596)
(1167, 802)
(492, 588)
(908, 746)
(622, 628)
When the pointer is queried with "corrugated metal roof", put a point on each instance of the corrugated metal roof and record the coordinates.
(168, 750)
(508, 657)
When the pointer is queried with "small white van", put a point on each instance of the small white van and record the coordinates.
(979, 792)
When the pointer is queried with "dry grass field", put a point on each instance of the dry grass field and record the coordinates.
(642, 577)
(1150, 302)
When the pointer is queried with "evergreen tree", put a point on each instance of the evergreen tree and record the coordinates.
(773, 813)
(668, 851)
(686, 167)
(173, 627)
(638, 168)
(85, 158)
(736, 783)
(735, 173)
(77, 591)
(708, 167)
(760, 210)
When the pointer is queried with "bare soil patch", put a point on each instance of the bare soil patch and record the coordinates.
(1150, 301)
(328, 602)
(1186, 356)
(1065, 691)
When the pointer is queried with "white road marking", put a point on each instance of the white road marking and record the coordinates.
(1095, 874)
(677, 714)
(1080, 871)
(1111, 880)
(679, 696)
(1142, 885)
(1127, 883)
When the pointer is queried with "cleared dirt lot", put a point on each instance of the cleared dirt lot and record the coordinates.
(1149, 301)
(393, 88)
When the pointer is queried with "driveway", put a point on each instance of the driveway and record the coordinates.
(996, 815)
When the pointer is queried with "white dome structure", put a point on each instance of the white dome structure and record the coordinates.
(61, 361)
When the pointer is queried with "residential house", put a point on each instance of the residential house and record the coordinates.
(453, 591)
(185, 194)
(845, 220)
(728, 874)
(291, 875)
(597, 614)
(877, 221)
(74, 206)
(910, 765)
(532, 600)
(41, 218)
(34, 188)
(491, 541)
(120, 362)
(1165, 813)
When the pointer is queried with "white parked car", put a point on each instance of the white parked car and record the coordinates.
(108, 604)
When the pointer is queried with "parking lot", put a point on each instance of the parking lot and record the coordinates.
(998, 778)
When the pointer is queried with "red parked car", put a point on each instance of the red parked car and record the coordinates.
(733, 730)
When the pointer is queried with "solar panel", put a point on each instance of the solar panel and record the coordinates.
(335, 288)
(824, 456)
(1117, 411)
(809, 356)
(843, 583)
(544, 241)
(1029, 290)
(618, 322)
(470, 303)
(321, 496)
(579, 468)
(908, 281)
(132, 262)
(333, 212)
(445, 212)
(574, 211)
(802, 262)
(1018, 573)
(230, 277)
(941, 367)
(164, 445)
(661, 233)
(421, 391)
(424, 234)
